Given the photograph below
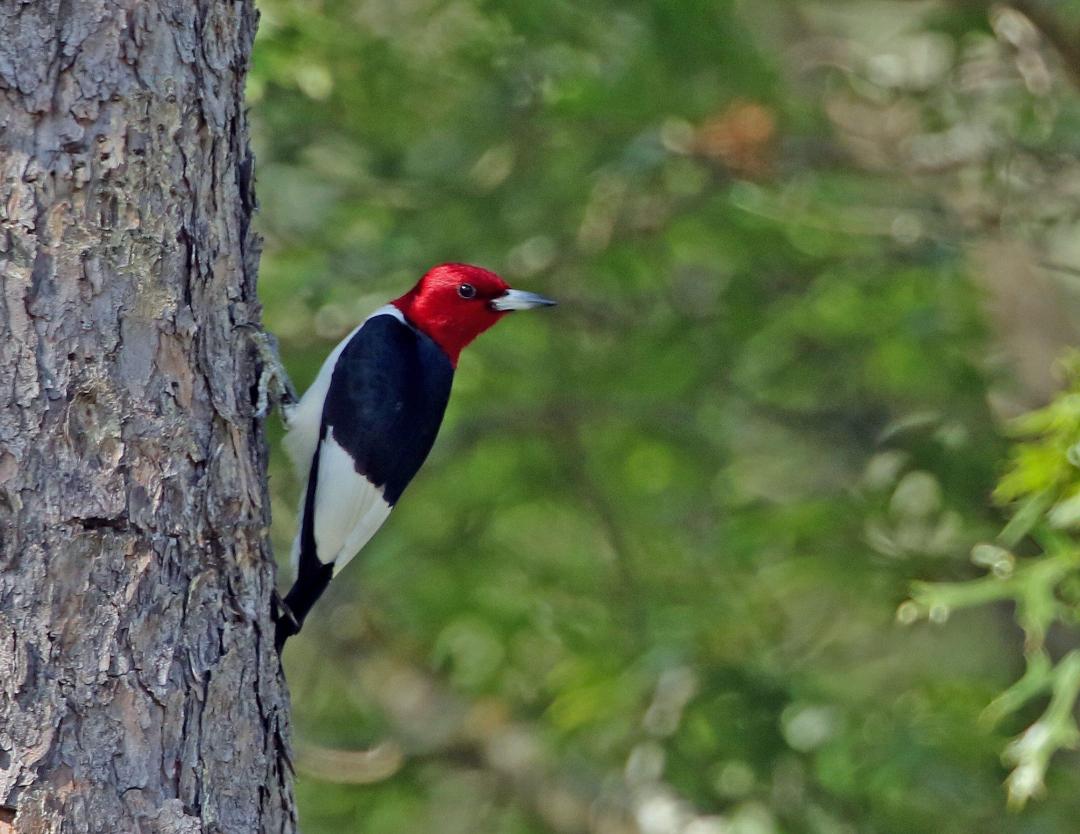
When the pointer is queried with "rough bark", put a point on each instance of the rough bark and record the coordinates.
(139, 689)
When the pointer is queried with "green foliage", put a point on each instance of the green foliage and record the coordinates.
(1042, 490)
(650, 574)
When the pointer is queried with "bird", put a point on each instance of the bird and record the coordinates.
(363, 429)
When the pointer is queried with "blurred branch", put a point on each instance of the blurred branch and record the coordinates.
(429, 722)
(1033, 320)
(1065, 42)
(350, 767)
(1064, 269)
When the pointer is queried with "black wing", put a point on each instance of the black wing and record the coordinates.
(386, 401)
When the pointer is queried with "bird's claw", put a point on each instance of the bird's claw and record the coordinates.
(282, 611)
(286, 623)
(274, 385)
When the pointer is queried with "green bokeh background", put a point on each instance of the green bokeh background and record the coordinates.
(649, 575)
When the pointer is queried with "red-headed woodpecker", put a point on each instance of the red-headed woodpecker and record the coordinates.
(365, 426)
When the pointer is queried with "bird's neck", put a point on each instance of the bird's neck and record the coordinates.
(450, 335)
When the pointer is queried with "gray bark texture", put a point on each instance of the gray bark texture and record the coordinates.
(139, 688)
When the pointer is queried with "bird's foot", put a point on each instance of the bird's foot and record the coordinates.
(286, 623)
(274, 385)
(281, 610)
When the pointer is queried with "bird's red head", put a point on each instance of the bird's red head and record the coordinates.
(455, 303)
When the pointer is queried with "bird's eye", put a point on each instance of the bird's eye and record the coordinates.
(467, 291)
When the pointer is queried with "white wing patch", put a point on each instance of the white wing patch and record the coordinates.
(349, 509)
(305, 425)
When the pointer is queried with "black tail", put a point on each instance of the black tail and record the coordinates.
(289, 613)
(312, 576)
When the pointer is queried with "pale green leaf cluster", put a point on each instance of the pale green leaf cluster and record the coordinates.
(1042, 491)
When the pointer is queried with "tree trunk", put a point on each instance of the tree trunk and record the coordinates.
(139, 688)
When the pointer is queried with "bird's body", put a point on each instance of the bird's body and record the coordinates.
(365, 426)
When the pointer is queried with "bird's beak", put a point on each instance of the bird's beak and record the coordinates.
(520, 300)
